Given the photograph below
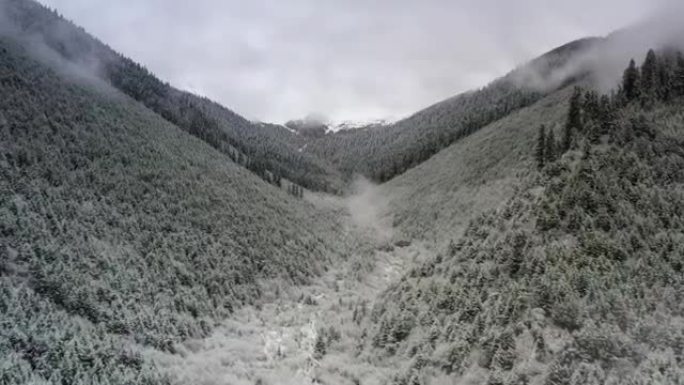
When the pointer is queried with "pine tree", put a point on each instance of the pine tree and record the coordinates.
(591, 106)
(541, 147)
(666, 67)
(550, 147)
(630, 81)
(574, 121)
(568, 138)
(649, 78)
(319, 346)
(679, 76)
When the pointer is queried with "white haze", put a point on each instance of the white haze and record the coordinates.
(605, 58)
(87, 68)
(368, 208)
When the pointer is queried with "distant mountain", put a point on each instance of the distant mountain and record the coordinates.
(350, 125)
(310, 127)
(387, 151)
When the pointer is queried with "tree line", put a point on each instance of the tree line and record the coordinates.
(660, 78)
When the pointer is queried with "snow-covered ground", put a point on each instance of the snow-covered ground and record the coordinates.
(275, 342)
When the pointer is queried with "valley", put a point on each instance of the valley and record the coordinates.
(526, 232)
(298, 335)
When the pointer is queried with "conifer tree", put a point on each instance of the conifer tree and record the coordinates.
(568, 137)
(541, 147)
(550, 147)
(630, 81)
(574, 120)
(679, 76)
(649, 78)
(591, 105)
(319, 346)
(666, 68)
(575, 112)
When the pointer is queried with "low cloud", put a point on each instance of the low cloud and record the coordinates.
(85, 65)
(276, 61)
(605, 58)
(368, 209)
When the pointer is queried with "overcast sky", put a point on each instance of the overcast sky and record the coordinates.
(275, 60)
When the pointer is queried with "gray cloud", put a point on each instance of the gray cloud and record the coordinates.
(277, 60)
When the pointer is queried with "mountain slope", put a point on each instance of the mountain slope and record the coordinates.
(270, 151)
(439, 197)
(381, 153)
(577, 278)
(117, 225)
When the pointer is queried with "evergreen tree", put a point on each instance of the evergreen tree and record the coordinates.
(591, 105)
(568, 137)
(319, 346)
(630, 82)
(649, 78)
(666, 67)
(574, 120)
(541, 147)
(605, 114)
(550, 147)
(679, 76)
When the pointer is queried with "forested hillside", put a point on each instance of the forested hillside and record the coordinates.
(381, 153)
(577, 279)
(439, 197)
(117, 226)
(270, 151)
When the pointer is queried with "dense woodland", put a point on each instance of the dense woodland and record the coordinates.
(116, 225)
(270, 151)
(578, 278)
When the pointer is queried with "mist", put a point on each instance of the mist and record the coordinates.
(86, 67)
(605, 58)
(368, 209)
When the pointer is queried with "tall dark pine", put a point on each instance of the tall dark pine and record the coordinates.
(630, 81)
(574, 122)
(679, 76)
(606, 114)
(649, 78)
(666, 67)
(541, 147)
(591, 105)
(550, 147)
